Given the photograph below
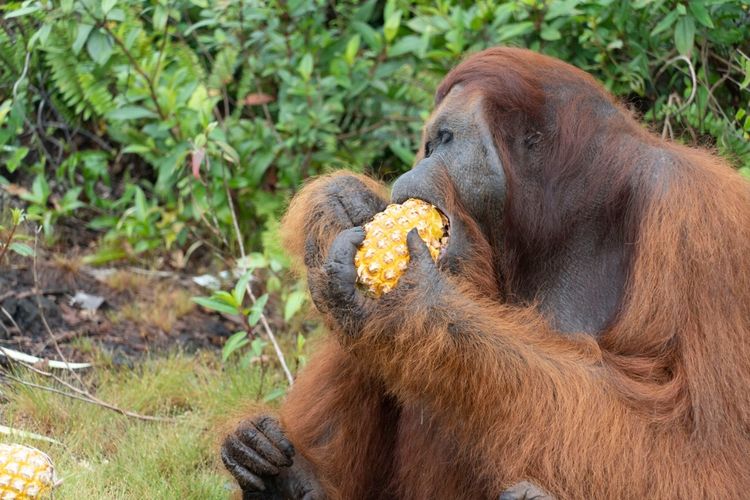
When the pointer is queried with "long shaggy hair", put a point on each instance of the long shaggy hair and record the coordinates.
(468, 398)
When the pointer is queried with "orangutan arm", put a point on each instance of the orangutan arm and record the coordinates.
(495, 374)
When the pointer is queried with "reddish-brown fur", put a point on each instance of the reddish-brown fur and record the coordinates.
(657, 407)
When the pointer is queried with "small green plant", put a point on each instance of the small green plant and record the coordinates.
(46, 211)
(10, 240)
(240, 301)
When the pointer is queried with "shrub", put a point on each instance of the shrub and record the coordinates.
(147, 118)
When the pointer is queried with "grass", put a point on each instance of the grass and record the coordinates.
(106, 455)
(154, 303)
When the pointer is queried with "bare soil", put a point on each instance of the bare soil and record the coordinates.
(142, 312)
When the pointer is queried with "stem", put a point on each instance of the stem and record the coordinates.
(8, 242)
(137, 67)
(263, 320)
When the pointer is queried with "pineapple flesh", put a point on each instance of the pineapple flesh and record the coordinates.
(383, 256)
(25, 472)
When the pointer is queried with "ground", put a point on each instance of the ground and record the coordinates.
(141, 311)
(154, 352)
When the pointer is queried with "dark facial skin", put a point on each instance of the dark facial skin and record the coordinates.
(578, 286)
(458, 142)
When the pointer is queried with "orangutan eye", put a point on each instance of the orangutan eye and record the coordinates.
(445, 136)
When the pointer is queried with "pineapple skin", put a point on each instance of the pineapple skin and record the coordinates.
(25, 472)
(383, 256)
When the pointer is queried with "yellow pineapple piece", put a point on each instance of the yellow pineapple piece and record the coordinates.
(383, 256)
(25, 472)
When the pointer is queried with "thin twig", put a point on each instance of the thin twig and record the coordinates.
(272, 337)
(29, 293)
(667, 129)
(86, 399)
(263, 320)
(9, 240)
(85, 395)
(23, 74)
(42, 315)
(82, 131)
(13, 322)
(45, 388)
(269, 119)
(137, 67)
(235, 222)
(5, 329)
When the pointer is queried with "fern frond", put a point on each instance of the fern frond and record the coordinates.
(96, 94)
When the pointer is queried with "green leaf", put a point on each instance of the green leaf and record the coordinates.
(700, 13)
(352, 48)
(257, 310)
(666, 23)
(131, 113)
(24, 11)
(232, 344)
(745, 62)
(226, 298)
(82, 35)
(14, 161)
(306, 66)
(363, 13)
(514, 30)
(392, 23)
(410, 44)
(684, 35)
(275, 394)
(561, 9)
(107, 6)
(70, 202)
(293, 304)
(254, 260)
(103, 222)
(17, 216)
(99, 47)
(21, 249)
(241, 286)
(5, 108)
(104, 255)
(119, 16)
(229, 153)
(161, 16)
(257, 346)
(215, 305)
(39, 191)
(141, 206)
(550, 34)
(371, 37)
(42, 35)
(259, 163)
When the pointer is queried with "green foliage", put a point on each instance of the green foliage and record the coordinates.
(10, 239)
(235, 303)
(163, 119)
